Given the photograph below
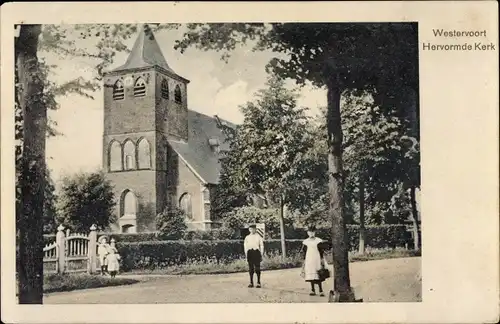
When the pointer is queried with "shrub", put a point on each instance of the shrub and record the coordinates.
(171, 224)
(160, 254)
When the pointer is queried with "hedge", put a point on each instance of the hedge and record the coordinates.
(160, 254)
(380, 236)
(377, 236)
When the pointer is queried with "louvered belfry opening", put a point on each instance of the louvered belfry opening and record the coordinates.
(118, 91)
(139, 88)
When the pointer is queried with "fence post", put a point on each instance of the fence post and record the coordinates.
(92, 253)
(60, 241)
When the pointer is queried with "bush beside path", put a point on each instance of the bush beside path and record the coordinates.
(390, 280)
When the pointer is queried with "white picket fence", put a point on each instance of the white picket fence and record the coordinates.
(71, 252)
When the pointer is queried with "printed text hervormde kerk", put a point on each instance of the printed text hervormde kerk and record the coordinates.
(468, 45)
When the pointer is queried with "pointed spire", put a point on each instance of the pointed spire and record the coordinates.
(145, 52)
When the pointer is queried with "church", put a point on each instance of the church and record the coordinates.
(156, 151)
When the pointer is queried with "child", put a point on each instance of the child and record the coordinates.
(103, 251)
(112, 245)
(112, 262)
(254, 250)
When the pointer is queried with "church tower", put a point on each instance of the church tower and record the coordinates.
(145, 103)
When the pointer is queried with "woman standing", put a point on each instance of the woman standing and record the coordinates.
(313, 261)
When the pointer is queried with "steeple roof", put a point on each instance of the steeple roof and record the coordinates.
(145, 53)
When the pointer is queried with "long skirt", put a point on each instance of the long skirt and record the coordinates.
(312, 264)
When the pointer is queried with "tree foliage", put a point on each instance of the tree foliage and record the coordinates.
(240, 217)
(86, 199)
(355, 52)
(171, 224)
(50, 206)
(34, 95)
(271, 140)
(340, 56)
(229, 193)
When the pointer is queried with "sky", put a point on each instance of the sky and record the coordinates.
(216, 88)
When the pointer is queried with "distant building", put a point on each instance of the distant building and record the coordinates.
(156, 152)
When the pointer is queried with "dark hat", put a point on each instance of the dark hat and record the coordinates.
(252, 226)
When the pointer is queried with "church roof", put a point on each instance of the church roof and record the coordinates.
(145, 53)
(197, 152)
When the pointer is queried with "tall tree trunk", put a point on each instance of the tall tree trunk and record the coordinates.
(282, 227)
(362, 233)
(342, 291)
(32, 179)
(414, 217)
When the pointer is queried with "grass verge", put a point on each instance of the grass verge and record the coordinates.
(68, 282)
(273, 262)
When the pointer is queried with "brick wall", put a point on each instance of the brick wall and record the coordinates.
(182, 180)
(142, 184)
(150, 117)
(132, 114)
(172, 117)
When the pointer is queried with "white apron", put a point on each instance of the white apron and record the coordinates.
(312, 261)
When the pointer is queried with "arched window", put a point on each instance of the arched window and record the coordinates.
(206, 203)
(139, 88)
(115, 156)
(144, 154)
(129, 205)
(128, 212)
(164, 89)
(118, 91)
(186, 206)
(129, 155)
(178, 94)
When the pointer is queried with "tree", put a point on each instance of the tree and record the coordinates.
(229, 193)
(31, 175)
(339, 56)
(270, 143)
(171, 224)
(372, 143)
(86, 199)
(33, 96)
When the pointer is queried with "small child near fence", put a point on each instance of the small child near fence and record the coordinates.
(103, 251)
(112, 245)
(113, 259)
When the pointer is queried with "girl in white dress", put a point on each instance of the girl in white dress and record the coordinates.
(313, 261)
(113, 262)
